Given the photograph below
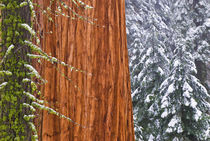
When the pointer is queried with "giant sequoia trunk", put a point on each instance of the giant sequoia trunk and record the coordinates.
(99, 99)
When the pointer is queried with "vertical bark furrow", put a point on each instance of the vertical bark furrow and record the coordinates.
(102, 101)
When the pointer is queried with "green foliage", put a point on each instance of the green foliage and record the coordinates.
(18, 102)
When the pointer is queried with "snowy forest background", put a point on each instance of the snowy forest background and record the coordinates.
(169, 48)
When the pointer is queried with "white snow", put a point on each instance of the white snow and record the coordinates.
(37, 56)
(207, 22)
(187, 87)
(3, 85)
(173, 122)
(29, 106)
(26, 80)
(7, 53)
(207, 133)
(149, 61)
(149, 51)
(127, 31)
(151, 138)
(32, 97)
(151, 109)
(33, 47)
(164, 114)
(6, 73)
(34, 72)
(186, 102)
(193, 103)
(133, 57)
(199, 85)
(32, 8)
(192, 32)
(197, 114)
(2, 5)
(147, 100)
(176, 63)
(169, 130)
(179, 129)
(175, 139)
(186, 94)
(27, 27)
(33, 128)
(140, 75)
(164, 101)
(193, 67)
(52, 111)
(28, 117)
(134, 51)
(160, 71)
(143, 58)
(32, 69)
(171, 89)
(22, 4)
(174, 125)
(173, 110)
(134, 93)
(164, 84)
(134, 27)
(191, 1)
(161, 51)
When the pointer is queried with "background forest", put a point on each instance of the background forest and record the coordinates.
(169, 49)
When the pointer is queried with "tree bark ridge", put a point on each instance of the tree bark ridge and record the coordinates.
(99, 98)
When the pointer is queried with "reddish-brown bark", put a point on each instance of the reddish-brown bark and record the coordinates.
(101, 101)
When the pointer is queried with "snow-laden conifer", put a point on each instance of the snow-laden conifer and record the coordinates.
(182, 28)
(148, 64)
(183, 99)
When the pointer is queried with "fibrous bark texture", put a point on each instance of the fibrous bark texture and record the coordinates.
(99, 98)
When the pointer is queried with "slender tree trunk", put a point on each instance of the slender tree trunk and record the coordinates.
(99, 98)
(16, 126)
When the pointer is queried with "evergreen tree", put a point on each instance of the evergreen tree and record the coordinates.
(198, 34)
(154, 69)
(183, 99)
(148, 69)
(180, 105)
